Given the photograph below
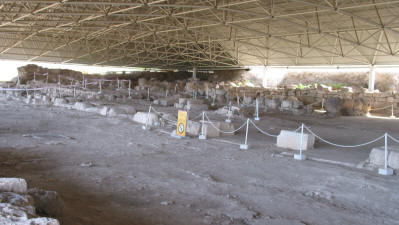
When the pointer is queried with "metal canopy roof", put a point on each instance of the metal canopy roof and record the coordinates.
(204, 33)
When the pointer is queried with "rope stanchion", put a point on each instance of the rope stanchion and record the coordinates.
(202, 135)
(245, 145)
(343, 146)
(130, 89)
(145, 127)
(256, 109)
(300, 156)
(225, 132)
(385, 171)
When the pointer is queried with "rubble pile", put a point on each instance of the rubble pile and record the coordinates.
(20, 205)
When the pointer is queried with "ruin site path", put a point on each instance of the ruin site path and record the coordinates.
(110, 171)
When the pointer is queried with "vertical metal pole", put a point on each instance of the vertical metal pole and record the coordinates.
(47, 79)
(214, 98)
(301, 142)
(167, 91)
(202, 136)
(34, 76)
(83, 82)
(59, 79)
(386, 152)
(176, 88)
(117, 83)
(256, 109)
(392, 115)
(246, 135)
(74, 92)
(100, 86)
(148, 94)
(130, 84)
(18, 80)
(145, 127)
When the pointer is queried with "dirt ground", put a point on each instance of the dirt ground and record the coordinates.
(110, 171)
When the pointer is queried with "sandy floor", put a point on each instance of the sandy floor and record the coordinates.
(110, 171)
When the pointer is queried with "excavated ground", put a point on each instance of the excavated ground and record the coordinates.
(110, 171)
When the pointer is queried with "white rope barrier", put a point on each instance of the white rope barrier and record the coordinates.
(160, 114)
(225, 132)
(376, 109)
(22, 89)
(260, 130)
(393, 139)
(343, 146)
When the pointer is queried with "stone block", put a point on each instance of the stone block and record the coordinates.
(121, 111)
(377, 156)
(167, 101)
(210, 131)
(16, 185)
(193, 128)
(59, 102)
(98, 110)
(81, 106)
(292, 140)
(142, 117)
(393, 159)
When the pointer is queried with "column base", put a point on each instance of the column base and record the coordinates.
(385, 172)
(202, 137)
(300, 157)
(244, 147)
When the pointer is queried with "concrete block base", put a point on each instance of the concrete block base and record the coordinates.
(244, 147)
(292, 140)
(385, 172)
(257, 118)
(300, 157)
(202, 137)
(228, 120)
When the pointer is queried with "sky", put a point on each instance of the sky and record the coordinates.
(9, 68)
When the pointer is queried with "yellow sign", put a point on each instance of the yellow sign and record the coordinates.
(181, 123)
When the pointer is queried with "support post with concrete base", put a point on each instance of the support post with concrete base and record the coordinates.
(194, 72)
(385, 171)
(229, 113)
(100, 87)
(145, 127)
(213, 98)
(392, 114)
(371, 79)
(202, 135)
(300, 156)
(130, 89)
(245, 145)
(256, 109)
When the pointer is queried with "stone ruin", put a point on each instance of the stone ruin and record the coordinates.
(23, 206)
(206, 92)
